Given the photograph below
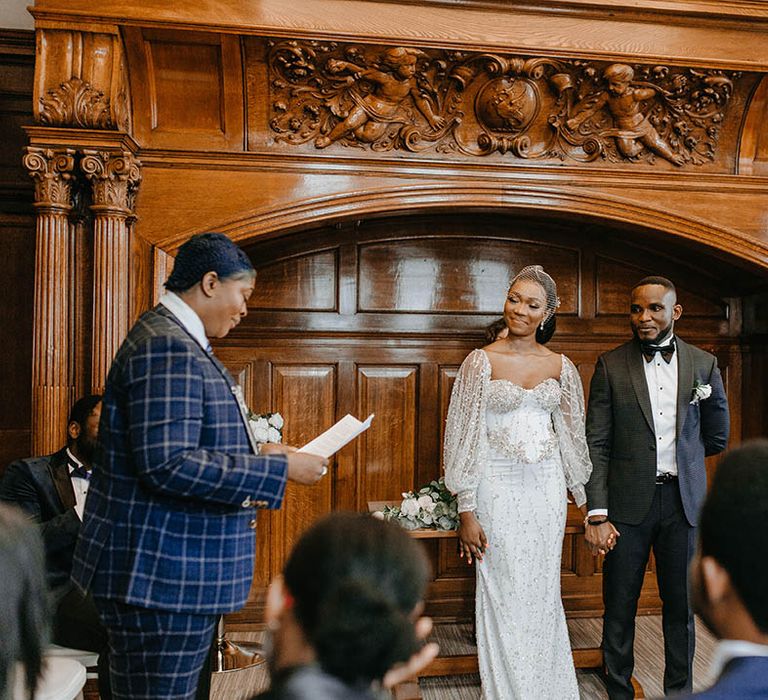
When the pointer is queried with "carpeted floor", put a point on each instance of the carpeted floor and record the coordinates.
(457, 639)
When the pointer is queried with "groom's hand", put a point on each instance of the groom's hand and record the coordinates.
(601, 537)
(306, 468)
(472, 539)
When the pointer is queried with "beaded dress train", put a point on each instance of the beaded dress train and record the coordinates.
(511, 453)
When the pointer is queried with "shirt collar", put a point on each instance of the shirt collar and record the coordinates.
(729, 649)
(187, 317)
(74, 461)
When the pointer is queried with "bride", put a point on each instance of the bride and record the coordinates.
(514, 442)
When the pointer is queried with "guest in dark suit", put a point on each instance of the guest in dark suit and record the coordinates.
(345, 612)
(729, 574)
(51, 490)
(167, 541)
(656, 408)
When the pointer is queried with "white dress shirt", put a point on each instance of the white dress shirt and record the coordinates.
(661, 380)
(188, 318)
(729, 649)
(79, 485)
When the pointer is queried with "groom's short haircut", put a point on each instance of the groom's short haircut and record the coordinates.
(733, 521)
(656, 279)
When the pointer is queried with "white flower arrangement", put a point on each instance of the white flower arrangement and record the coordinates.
(432, 506)
(701, 392)
(266, 427)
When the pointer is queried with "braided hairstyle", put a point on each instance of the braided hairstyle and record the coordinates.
(355, 581)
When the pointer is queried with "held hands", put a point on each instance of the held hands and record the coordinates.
(472, 539)
(601, 538)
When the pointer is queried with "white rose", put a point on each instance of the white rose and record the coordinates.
(409, 508)
(379, 515)
(273, 435)
(260, 431)
(426, 503)
(277, 420)
(704, 391)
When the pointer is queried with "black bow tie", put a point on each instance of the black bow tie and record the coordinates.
(78, 471)
(666, 351)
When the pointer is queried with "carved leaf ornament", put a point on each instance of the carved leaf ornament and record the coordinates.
(76, 103)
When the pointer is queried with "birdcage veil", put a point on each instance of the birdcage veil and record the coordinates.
(535, 273)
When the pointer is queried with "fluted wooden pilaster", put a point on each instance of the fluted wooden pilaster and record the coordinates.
(52, 387)
(114, 178)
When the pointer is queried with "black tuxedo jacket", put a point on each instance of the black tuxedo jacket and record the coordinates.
(621, 437)
(41, 487)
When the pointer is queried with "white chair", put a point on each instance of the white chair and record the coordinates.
(62, 679)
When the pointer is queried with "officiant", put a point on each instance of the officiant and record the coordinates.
(167, 540)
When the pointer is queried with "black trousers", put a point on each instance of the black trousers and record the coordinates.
(666, 531)
(76, 624)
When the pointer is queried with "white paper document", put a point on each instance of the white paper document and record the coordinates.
(333, 439)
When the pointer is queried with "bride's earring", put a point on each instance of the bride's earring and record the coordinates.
(541, 325)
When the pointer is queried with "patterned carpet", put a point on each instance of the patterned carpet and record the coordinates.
(457, 639)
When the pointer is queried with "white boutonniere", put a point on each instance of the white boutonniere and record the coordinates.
(700, 392)
(266, 427)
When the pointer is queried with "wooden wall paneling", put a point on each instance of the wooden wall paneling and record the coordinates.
(753, 143)
(386, 453)
(187, 89)
(305, 395)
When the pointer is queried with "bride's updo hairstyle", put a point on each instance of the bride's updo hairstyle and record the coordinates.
(355, 582)
(535, 273)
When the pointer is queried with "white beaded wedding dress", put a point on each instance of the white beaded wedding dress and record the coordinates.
(510, 454)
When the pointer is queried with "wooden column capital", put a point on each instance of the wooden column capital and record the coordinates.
(114, 178)
(52, 170)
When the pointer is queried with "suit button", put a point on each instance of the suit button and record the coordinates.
(247, 503)
(252, 524)
(261, 504)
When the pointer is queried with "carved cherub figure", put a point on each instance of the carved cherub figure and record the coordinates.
(372, 113)
(622, 100)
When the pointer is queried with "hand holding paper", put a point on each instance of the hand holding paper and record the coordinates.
(333, 439)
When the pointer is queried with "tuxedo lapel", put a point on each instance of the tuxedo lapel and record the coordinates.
(59, 471)
(684, 383)
(637, 375)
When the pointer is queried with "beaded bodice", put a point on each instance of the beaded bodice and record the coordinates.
(519, 420)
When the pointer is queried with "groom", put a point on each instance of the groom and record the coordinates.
(657, 407)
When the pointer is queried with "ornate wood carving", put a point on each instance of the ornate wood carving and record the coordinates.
(475, 104)
(52, 172)
(76, 103)
(114, 177)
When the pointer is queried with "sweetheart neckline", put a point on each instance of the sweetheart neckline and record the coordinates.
(533, 388)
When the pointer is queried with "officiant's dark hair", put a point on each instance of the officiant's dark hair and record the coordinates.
(356, 581)
(733, 525)
(207, 252)
(81, 409)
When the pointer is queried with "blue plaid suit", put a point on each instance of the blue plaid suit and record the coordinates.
(167, 519)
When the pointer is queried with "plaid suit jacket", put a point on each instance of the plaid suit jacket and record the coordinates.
(168, 513)
(621, 438)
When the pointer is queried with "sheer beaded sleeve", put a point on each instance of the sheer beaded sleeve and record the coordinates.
(569, 425)
(465, 444)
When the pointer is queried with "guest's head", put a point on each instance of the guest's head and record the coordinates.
(653, 309)
(531, 304)
(351, 592)
(24, 611)
(216, 278)
(83, 428)
(496, 331)
(729, 574)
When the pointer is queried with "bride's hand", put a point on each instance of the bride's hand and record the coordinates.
(472, 539)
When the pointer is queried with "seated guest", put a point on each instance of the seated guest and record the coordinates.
(729, 574)
(345, 611)
(51, 490)
(24, 614)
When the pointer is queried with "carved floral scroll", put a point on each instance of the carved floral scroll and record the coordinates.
(475, 104)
